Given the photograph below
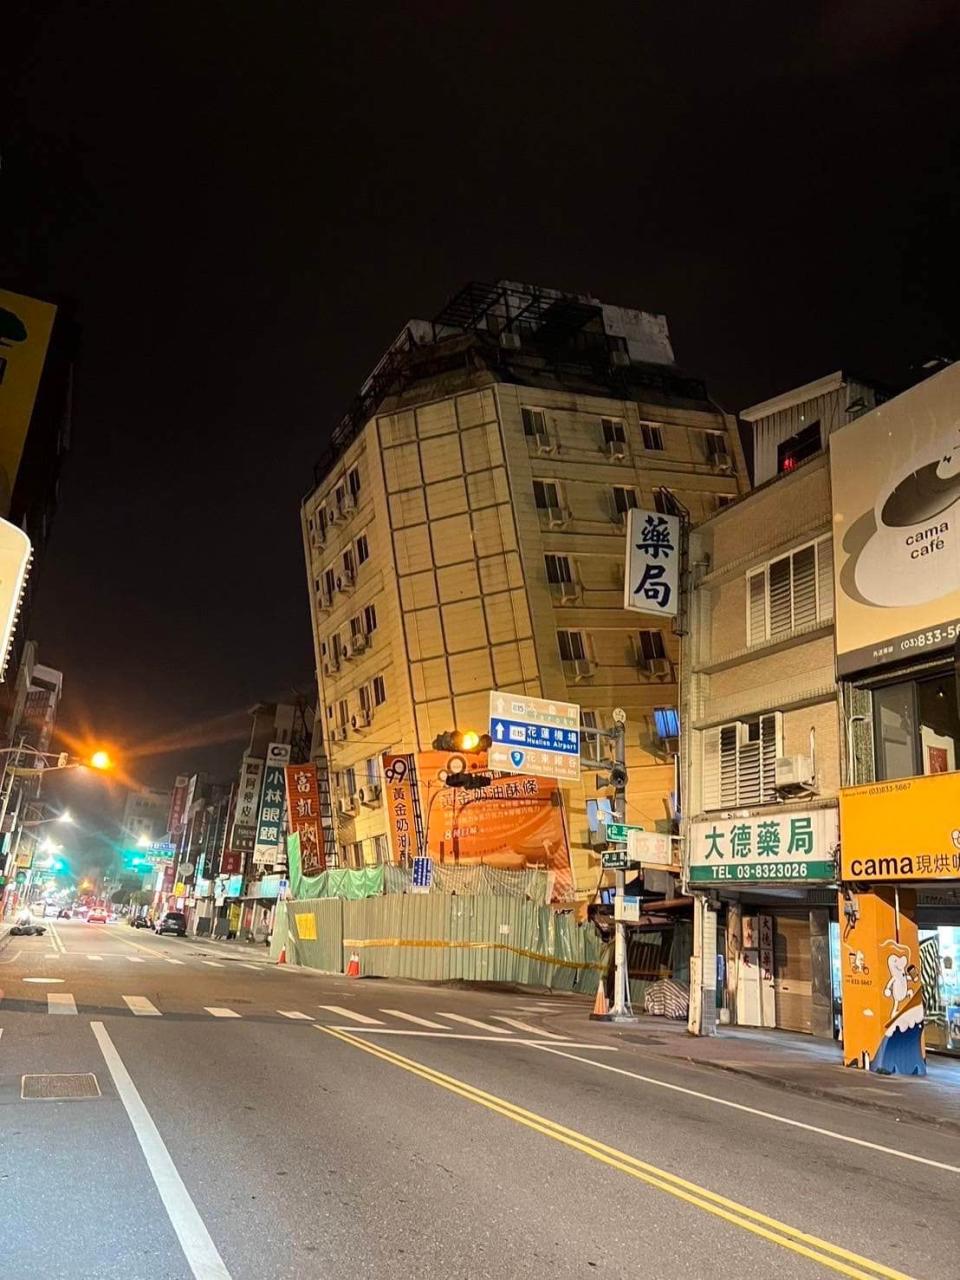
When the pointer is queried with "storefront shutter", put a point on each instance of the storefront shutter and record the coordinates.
(757, 607)
(805, 587)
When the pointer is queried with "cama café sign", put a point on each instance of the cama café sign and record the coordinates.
(796, 847)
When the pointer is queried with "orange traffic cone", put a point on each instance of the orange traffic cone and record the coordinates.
(600, 1007)
(282, 957)
(353, 968)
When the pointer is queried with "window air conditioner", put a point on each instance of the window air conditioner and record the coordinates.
(338, 733)
(565, 592)
(654, 666)
(369, 795)
(556, 517)
(579, 669)
(324, 599)
(359, 642)
(347, 805)
(331, 666)
(360, 719)
(544, 443)
(794, 774)
(615, 449)
(345, 581)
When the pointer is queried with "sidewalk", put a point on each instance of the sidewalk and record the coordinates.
(792, 1061)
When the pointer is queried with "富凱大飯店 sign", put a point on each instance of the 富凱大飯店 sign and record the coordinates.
(796, 846)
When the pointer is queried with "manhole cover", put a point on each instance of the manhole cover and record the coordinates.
(59, 1087)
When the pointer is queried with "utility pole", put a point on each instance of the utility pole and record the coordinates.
(622, 1009)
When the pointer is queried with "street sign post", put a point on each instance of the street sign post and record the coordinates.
(614, 859)
(619, 831)
(534, 736)
(422, 874)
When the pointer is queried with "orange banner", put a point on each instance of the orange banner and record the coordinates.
(516, 824)
(303, 815)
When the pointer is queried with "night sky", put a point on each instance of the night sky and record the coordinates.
(246, 201)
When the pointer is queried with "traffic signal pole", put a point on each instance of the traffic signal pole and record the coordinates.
(621, 1010)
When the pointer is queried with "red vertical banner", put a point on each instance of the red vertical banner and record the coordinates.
(303, 814)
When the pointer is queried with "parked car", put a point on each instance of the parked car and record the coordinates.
(140, 922)
(172, 922)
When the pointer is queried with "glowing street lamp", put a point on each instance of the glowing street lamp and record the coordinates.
(100, 760)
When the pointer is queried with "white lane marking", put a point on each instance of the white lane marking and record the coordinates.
(42, 979)
(295, 1013)
(60, 1002)
(473, 1022)
(170, 960)
(526, 1026)
(200, 1251)
(136, 959)
(142, 1007)
(244, 965)
(349, 1013)
(94, 957)
(754, 1111)
(57, 940)
(412, 1017)
(468, 1035)
(216, 1012)
(214, 964)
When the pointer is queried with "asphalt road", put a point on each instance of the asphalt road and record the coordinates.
(262, 1122)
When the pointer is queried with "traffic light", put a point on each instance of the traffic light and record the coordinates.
(462, 740)
(468, 781)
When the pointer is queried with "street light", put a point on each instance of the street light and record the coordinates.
(100, 760)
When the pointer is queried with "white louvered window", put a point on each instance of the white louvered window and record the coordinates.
(792, 592)
(739, 762)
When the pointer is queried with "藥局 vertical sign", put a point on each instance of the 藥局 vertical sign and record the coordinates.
(270, 822)
(303, 815)
(652, 579)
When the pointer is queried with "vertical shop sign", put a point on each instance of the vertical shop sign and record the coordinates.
(303, 809)
(270, 820)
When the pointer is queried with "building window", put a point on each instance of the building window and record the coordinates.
(722, 500)
(350, 781)
(739, 761)
(534, 422)
(558, 569)
(343, 713)
(363, 549)
(356, 625)
(650, 645)
(916, 727)
(715, 449)
(356, 854)
(370, 619)
(353, 481)
(336, 648)
(624, 499)
(614, 432)
(792, 592)
(363, 693)
(339, 496)
(652, 435)
(329, 582)
(329, 712)
(379, 691)
(591, 745)
(546, 494)
(666, 721)
(572, 647)
(665, 502)
(349, 564)
(380, 850)
(797, 448)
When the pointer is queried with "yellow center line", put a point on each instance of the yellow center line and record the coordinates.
(822, 1251)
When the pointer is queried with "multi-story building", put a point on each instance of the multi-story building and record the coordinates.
(41, 707)
(761, 756)
(145, 815)
(466, 533)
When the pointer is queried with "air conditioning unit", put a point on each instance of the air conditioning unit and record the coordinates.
(565, 592)
(359, 642)
(654, 666)
(335, 514)
(615, 449)
(318, 538)
(324, 599)
(347, 805)
(557, 517)
(794, 774)
(579, 669)
(338, 733)
(360, 719)
(544, 443)
(331, 666)
(345, 581)
(369, 795)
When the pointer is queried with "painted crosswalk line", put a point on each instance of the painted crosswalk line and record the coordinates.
(216, 1012)
(94, 957)
(170, 960)
(528, 1027)
(255, 967)
(295, 1013)
(142, 1007)
(136, 959)
(212, 964)
(412, 1017)
(42, 979)
(60, 1002)
(474, 1022)
(350, 1013)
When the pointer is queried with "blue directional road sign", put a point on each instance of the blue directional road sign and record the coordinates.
(422, 875)
(534, 736)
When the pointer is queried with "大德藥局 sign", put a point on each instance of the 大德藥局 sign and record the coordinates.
(652, 578)
(903, 830)
(895, 480)
(270, 821)
(796, 846)
(535, 736)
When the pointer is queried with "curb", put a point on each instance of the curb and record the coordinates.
(830, 1095)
